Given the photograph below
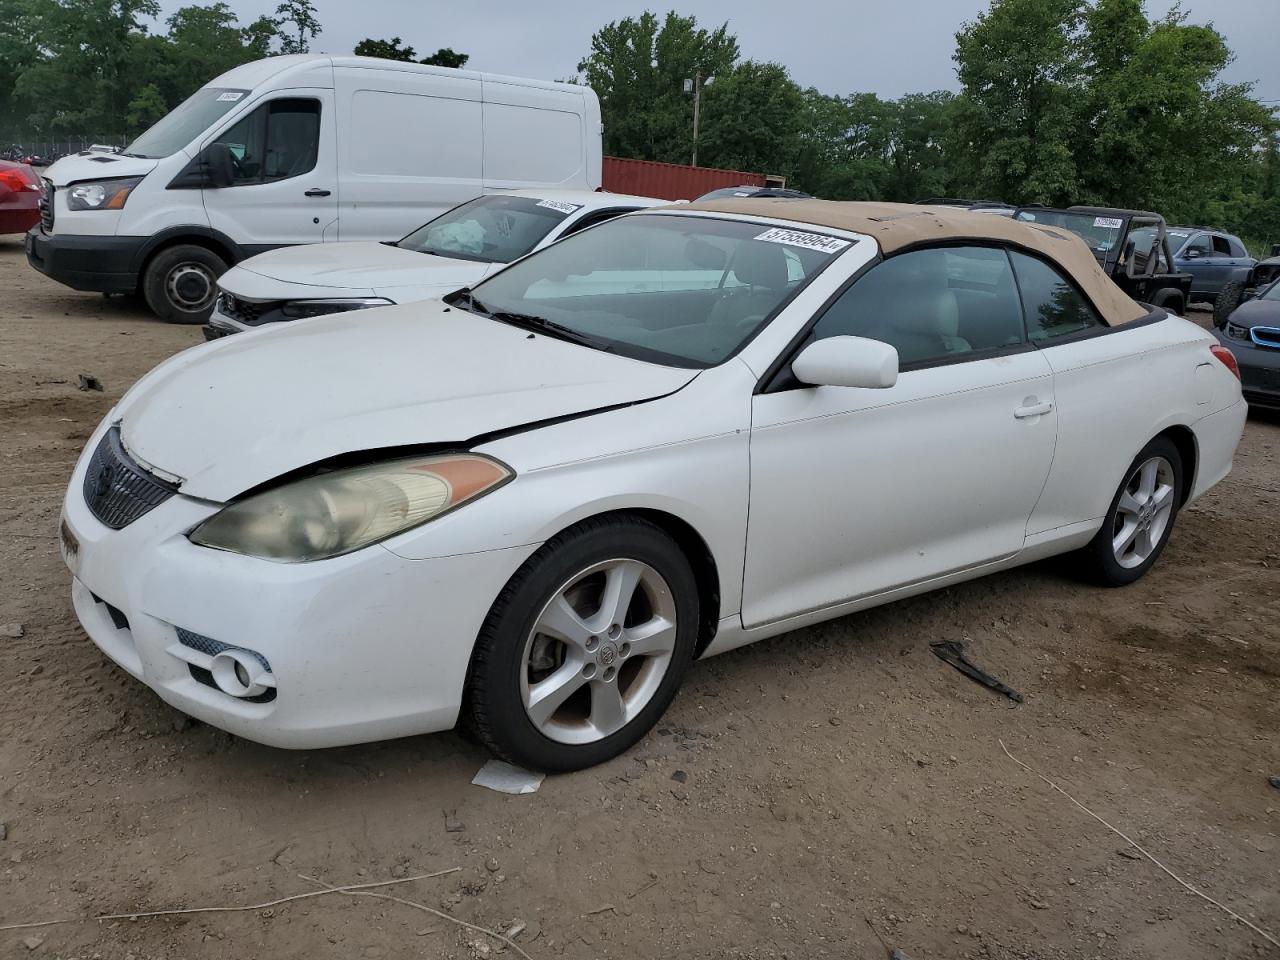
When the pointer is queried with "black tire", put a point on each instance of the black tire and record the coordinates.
(1170, 299)
(1098, 560)
(1227, 301)
(494, 703)
(180, 283)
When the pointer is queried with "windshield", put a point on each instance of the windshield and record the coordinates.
(1101, 233)
(494, 229)
(1176, 239)
(1272, 292)
(184, 123)
(680, 290)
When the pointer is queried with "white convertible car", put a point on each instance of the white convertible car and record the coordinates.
(534, 505)
(460, 247)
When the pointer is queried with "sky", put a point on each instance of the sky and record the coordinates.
(838, 46)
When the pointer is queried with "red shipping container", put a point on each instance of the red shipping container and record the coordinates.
(670, 181)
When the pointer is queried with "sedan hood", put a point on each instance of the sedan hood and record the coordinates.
(97, 166)
(228, 415)
(1255, 313)
(374, 266)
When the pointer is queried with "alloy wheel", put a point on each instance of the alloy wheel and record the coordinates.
(1143, 512)
(598, 651)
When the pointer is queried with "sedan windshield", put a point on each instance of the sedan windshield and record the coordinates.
(679, 290)
(494, 229)
(184, 123)
(1272, 292)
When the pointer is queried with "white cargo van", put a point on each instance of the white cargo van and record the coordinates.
(301, 149)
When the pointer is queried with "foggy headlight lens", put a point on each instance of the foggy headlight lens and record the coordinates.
(334, 513)
(103, 195)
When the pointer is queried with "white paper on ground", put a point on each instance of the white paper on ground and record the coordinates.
(503, 777)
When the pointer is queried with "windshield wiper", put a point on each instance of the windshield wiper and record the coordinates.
(550, 328)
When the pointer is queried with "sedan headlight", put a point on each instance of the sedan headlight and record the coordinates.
(301, 309)
(334, 513)
(101, 194)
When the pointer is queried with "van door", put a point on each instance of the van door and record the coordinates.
(411, 148)
(284, 187)
(534, 137)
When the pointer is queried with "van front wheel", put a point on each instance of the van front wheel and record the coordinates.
(180, 283)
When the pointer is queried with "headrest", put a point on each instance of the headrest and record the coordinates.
(761, 264)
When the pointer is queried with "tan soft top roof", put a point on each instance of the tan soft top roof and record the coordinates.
(896, 226)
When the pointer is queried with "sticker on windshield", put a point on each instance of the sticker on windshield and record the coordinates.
(560, 205)
(229, 97)
(799, 238)
(1111, 223)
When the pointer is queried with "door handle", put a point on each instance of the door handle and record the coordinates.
(1033, 408)
(316, 192)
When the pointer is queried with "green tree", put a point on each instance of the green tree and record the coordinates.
(303, 23)
(751, 119)
(446, 57)
(1019, 67)
(638, 66)
(386, 49)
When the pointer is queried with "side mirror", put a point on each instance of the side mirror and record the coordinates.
(218, 168)
(847, 362)
(1192, 254)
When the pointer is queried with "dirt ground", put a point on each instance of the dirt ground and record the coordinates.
(843, 790)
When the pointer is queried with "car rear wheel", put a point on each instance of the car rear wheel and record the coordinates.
(180, 283)
(1141, 517)
(585, 647)
(1170, 299)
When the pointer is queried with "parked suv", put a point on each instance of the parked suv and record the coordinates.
(1214, 259)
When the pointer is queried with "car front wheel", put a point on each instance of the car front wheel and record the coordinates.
(1141, 516)
(585, 647)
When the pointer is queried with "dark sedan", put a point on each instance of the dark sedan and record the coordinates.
(1252, 333)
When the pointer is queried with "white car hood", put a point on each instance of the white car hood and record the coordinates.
(371, 266)
(231, 414)
(97, 166)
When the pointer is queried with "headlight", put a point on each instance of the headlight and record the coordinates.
(334, 513)
(101, 195)
(300, 309)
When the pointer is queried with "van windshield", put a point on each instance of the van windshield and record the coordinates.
(493, 229)
(184, 123)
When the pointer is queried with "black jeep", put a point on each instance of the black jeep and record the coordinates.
(1132, 246)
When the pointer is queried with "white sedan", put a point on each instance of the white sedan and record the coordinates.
(460, 247)
(532, 506)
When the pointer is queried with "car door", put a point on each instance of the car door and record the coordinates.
(284, 185)
(1196, 258)
(857, 491)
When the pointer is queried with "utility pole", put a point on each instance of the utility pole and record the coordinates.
(697, 102)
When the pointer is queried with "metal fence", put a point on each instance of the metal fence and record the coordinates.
(17, 147)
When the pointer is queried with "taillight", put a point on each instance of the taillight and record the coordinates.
(1226, 358)
(14, 180)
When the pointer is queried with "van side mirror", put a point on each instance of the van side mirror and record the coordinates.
(218, 168)
(847, 362)
(212, 167)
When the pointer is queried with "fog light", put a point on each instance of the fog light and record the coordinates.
(238, 673)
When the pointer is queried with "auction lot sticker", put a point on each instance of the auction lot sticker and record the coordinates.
(1111, 223)
(560, 206)
(799, 238)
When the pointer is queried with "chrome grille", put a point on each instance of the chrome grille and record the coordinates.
(117, 490)
(46, 205)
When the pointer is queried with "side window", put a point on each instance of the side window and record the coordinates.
(1201, 244)
(1221, 248)
(1053, 306)
(932, 305)
(1238, 248)
(278, 140)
